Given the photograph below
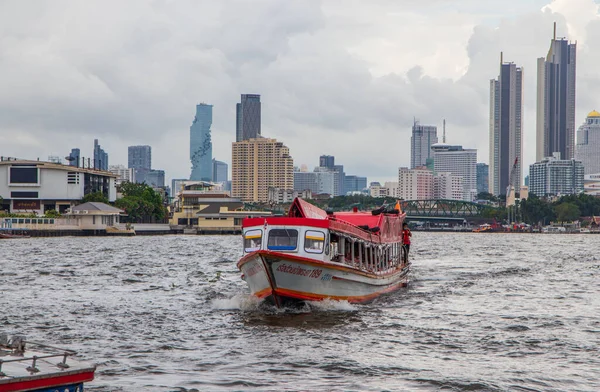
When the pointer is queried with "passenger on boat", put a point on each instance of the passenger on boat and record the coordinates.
(406, 234)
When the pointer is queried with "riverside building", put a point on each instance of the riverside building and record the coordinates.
(556, 177)
(257, 165)
(588, 143)
(37, 187)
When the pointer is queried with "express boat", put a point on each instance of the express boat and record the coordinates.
(312, 254)
(44, 369)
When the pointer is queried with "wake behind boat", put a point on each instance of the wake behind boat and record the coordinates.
(315, 255)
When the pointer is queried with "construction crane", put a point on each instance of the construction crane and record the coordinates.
(510, 190)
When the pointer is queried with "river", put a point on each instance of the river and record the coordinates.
(489, 312)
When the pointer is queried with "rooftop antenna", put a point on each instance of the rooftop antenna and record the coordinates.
(555, 31)
(501, 58)
(444, 132)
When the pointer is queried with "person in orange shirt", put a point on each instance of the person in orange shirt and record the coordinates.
(406, 234)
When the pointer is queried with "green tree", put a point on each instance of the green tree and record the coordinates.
(51, 214)
(567, 212)
(140, 202)
(97, 197)
(536, 211)
(486, 196)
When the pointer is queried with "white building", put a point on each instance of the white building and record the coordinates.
(415, 184)
(461, 163)
(588, 144)
(376, 190)
(37, 187)
(447, 187)
(556, 177)
(392, 188)
(123, 174)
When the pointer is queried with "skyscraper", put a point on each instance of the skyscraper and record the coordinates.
(483, 183)
(327, 161)
(555, 176)
(201, 144)
(100, 157)
(74, 157)
(423, 136)
(247, 124)
(588, 143)
(139, 158)
(219, 171)
(506, 128)
(459, 162)
(257, 165)
(555, 127)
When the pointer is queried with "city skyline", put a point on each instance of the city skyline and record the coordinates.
(347, 86)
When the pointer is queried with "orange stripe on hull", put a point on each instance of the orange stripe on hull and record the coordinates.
(263, 293)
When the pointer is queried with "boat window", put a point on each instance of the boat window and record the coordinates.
(283, 239)
(314, 241)
(252, 240)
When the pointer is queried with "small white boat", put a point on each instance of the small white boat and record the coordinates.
(314, 255)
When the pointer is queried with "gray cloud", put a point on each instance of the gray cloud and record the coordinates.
(345, 81)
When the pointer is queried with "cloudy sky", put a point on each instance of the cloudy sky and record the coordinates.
(337, 77)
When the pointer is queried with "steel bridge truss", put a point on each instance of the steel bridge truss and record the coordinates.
(441, 208)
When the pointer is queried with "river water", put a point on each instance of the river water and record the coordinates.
(490, 312)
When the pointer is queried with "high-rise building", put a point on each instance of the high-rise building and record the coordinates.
(555, 176)
(201, 144)
(447, 186)
(305, 180)
(100, 157)
(220, 171)
(247, 125)
(506, 128)
(459, 162)
(74, 157)
(423, 136)
(415, 184)
(355, 184)
(258, 164)
(588, 143)
(124, 174)
(482, 178)
(327, 161)
(139, 157)
(555, 121)
(156, 178)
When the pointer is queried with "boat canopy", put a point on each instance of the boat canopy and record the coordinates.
(303, 209)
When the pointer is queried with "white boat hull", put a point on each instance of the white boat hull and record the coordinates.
(282, 277)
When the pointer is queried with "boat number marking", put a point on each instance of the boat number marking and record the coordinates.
(288, 269)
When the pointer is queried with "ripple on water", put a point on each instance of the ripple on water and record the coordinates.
(492, 313)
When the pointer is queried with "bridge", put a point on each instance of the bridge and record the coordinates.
(450, 210)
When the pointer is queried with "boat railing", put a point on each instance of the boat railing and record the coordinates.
(369, 257)
(15, 346)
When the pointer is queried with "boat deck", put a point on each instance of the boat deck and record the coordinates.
(44, 367)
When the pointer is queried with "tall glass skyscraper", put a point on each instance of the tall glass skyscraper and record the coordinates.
(506, 128)
(247, 125)
(555, 127)
(100, 157)
(423, 137)
(139, 158)
(201, 144)
(74, 156)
